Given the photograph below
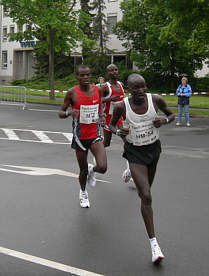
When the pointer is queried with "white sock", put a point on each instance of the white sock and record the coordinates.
(153, 242)
(127, 165)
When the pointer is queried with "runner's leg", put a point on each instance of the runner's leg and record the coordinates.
(139, 174)
(83, 165)
(107, 138)
(99, 153)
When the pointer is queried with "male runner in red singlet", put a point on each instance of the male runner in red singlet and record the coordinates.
(142, 147)
(88, 117)
(112, 93)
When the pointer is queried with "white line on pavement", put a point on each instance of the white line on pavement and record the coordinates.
(42, 136)
(10, 134)
(43, 110)
(47, 263)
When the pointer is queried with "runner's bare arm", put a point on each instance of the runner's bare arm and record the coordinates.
(161, 104)
(68, 100)
(104, 94)
(118, 111)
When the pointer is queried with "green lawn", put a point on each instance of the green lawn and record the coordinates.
(196, 101)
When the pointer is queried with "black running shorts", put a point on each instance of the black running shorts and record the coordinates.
(147, 154)
(85, 144)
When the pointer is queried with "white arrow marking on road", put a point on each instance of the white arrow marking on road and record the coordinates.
(35, 171)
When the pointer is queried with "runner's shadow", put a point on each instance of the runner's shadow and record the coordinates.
(158, 268)
(132, 188)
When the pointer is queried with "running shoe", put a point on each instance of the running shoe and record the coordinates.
(126, 176)
(157, 255)
(84, 200)
(188, 124)
(91, 180)
(178, 124)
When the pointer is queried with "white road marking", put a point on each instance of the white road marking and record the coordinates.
(43, 110)
(42, 136)
(10, 134)
(69, 136)
(47, 263)
(36, 171)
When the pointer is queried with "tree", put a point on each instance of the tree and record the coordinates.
(188, 23)
(54, 23)
(100, 25)
(141, 28)
(96, 29)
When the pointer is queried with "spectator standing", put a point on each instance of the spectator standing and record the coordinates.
(184, 91)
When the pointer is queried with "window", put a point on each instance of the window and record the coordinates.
(4, 59)
(12, 29)
(5, 12)
(4, 33)
(111, 21)
(19, 28)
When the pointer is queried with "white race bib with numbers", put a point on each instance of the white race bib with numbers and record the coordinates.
(89, 114)
(144, 133)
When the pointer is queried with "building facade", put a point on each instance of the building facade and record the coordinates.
(17, 60)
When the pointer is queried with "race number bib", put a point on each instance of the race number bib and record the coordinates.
(89, 114)
(144, 134)
(112, 105)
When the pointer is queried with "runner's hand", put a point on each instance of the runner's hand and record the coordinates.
(123, 132)
(102, 119)
(74, 113)
(159, 121)
(114, 97)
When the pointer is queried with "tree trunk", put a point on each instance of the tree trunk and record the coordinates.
(51, 63)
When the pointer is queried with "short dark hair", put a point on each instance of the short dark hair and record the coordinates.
(82, 66)
(108, 66)
(133, 77)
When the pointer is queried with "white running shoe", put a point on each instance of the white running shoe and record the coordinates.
(126, 176)
(157, 255)
(84, 201)
(91, 176)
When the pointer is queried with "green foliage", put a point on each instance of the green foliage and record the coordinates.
(189, 22)
(123, 72)
(53, 23)
(159, 53)
(97, 63)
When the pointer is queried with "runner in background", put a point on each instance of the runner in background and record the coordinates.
(84, 101)
(142, 147)
(101, 81)
(113, 93)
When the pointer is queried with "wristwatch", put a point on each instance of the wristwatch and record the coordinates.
(117, 132)
(67, 113)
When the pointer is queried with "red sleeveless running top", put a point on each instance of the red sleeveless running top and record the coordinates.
(87, 125)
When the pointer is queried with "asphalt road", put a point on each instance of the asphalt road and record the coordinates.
(42, 225)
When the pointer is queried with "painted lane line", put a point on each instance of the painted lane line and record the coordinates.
(42, 136)
(10, 134)
(35, 141)
(43, 110)
(47, 263)
(69, 136)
